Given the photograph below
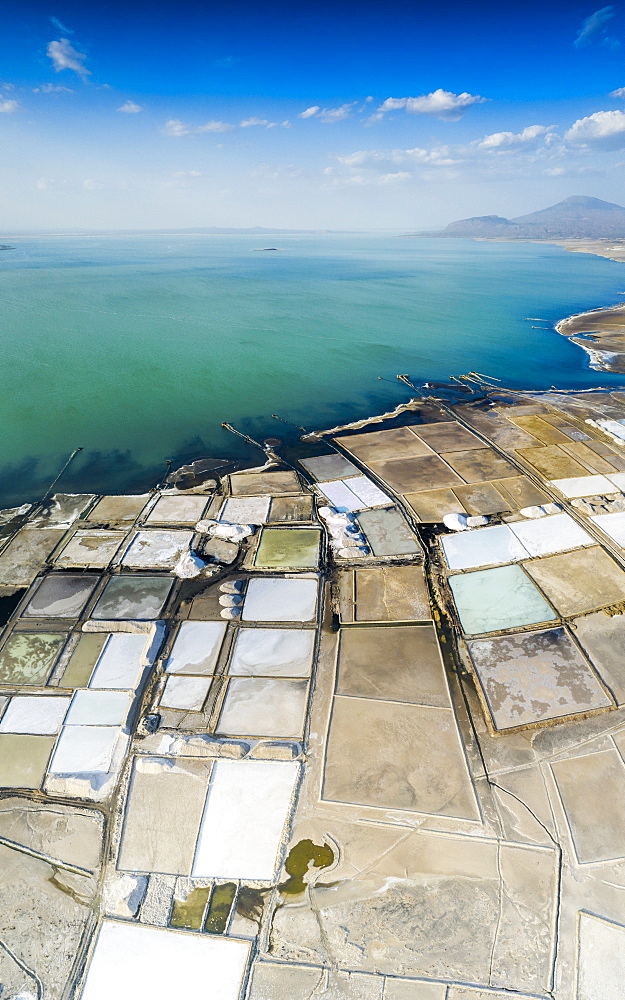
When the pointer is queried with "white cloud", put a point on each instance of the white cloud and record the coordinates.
(130, 108)
(594, 27)
(44, 183)
(90, 184)
(188, 173)
(619, 92)
(65, 56)
(263, 123)
(328, 115)
(175, 127)
(52, 88)
(440, 103)
(604, 130)
(505, 139)
(213, 126)
(8, 107)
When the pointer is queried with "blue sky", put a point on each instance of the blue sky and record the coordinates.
(325, 115)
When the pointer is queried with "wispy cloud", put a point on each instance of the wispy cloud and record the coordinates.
(175, 127)
(226, 62)
(7, 107)
(619, 92)
(62, 27)
(65, 56)
(594, 29)
(130, 108)
(499, 140)
(439, 103)
(91, 184)
(384, 159)
(52, 88)
(379, 180)
(603, 130)
(328, 115)
(248, 122)
(263, 123)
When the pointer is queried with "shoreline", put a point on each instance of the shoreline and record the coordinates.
(599, 332)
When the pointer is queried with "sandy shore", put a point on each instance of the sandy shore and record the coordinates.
(599, 332)
(612, 249)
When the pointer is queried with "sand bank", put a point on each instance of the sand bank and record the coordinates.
(601, 333)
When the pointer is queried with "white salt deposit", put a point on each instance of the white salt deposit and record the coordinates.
(84, 750)
(196, 648)
(613, 525)
(188, 693)
(188, 566)
(244, 818)
(455, 522)
(585, 486)
(98, 708)
(120, 663)
(246, 510)
(486, 547)
(273, 652)
(555, 533)
(41, 715)
(128, 955)
(280, 599)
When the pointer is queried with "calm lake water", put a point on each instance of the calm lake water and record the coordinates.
(137, 347)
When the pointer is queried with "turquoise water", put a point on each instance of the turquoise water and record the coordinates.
(137, 347)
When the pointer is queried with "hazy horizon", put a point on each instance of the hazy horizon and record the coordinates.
(320, 116)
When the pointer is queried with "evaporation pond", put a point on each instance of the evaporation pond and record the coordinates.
(494, 599)
(273, 652)
(288, 547)
(60, 595)
(274, 599)
(27, 657)
(196, 648)
(138, 597)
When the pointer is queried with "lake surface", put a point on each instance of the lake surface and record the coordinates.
(137, 347)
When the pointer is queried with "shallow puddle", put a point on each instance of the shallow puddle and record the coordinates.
(219, 909)
(187, 914)
(301, 859)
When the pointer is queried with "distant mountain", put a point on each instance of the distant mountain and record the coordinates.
(573, 218)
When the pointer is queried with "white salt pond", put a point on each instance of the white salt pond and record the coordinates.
(273, 652)
(280, 599)
(39, 716)
(183, 965)
(196, 648)
(120, 663)
(244, 818)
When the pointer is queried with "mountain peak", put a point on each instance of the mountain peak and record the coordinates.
(577, 217)
(583, 201)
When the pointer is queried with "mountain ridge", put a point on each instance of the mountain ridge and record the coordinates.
(577, 217)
